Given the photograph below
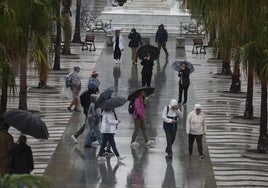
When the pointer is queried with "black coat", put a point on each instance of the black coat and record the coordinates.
(147, 66)
(135, 39)
(184, 77)
(85, 99)
(22, 159)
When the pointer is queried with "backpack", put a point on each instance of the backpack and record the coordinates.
(68, 80)
(131, 107)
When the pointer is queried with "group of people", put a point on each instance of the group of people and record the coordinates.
(15, 158)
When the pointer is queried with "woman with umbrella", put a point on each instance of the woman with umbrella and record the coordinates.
(184, 82)
(147, 70)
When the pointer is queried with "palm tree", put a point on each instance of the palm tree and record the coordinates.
(77, 37)
(66, 13)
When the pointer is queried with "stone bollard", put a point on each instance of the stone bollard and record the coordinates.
(180, 42)
(109, 40)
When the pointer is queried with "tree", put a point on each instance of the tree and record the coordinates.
(77, 37)
(67, 27)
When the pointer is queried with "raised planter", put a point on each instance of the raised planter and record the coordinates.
(241, 120)
(47, 90)
(234, 95)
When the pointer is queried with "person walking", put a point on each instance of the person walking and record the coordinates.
(139, 118)
(6, 146)
(134, 43)
(161, 38)
(93, 123)
(108, 129)
(75, 89)
(184, 83)
(22, 157)
(171, 116)
(195, 128)
(94, 78)
(117, 45)
(147, 70)
(85, 103)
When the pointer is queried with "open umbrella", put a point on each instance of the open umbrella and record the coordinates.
(148, 91)
(106, 94)
(112, 103)
(27, 123)
(176, 65)
(153, 51)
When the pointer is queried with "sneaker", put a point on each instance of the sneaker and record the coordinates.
(201, 157)
(119, 158)
(184, 103)
(135, 143)
(101, 158)
(108, 153)
(149, 142)
(75, 139)
(87, 146)
(76, 110)
(69, 109)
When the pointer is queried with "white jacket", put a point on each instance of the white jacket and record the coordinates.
(171, 112)
(108, 123)
(196, 124)
(121, 42)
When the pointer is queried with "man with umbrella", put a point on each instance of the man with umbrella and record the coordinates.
(6, 146)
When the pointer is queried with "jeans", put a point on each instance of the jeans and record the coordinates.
(139, 124)
(184, 90)
(198, 141)
(108, 137)
(80, 131)
(171, 131)
(92, 132)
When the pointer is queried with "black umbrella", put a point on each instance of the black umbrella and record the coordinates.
(177, 65)
(148, 91)
(113, 102)
(27, 123)
(153, 51)
(106, 94)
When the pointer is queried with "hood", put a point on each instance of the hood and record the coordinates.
(197, 106)
(173, 102)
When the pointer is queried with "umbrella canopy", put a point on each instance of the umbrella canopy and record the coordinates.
(177, 65)
(153, 51)
(106, 94)
(27, 123)
(148, 91)
(112, 103)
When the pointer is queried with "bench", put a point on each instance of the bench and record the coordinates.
(198, 43)
(89, 43)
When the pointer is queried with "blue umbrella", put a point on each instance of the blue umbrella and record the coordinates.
(177, 65)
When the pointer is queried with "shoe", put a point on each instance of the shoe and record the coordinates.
(101, 158)
(76, 110)
(201, 157)
(69, 109)
(135, 143)
(87, 146)
(75, 139)
(108, 153)
(119, 158)
(149, 142)
(184, 103)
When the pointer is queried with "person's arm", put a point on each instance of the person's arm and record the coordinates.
(156, 37)
(204, 125)
(164, 116)
(179, 114)
(188, 123)
(140, 39)
(142, 62)
(166, 36)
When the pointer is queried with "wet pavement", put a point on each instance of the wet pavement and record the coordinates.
(73, 165)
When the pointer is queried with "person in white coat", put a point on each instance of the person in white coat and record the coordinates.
(117, 45)
(171, 116)
(109, 125)
(196, 128)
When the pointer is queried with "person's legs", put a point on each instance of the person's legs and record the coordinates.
(159, 47)
(185, 93)
(180, 93)
(137, 124)
(168, 131)
(98, 134)
(165, 48)
(80, 131)
(143, 79)
(135, 55)
(149, 78)
(199, 144)
(143, 130)
(103, 144)
(173, 133)
(191, 138)
(113, 145)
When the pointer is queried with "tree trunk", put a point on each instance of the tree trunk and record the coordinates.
(3, 106)
(248, 113)
(224, 55)
(23, 84)
(67, 27)
(236, 82)
(77, 37)
(263, 139)
(57, 42)
(212, 37)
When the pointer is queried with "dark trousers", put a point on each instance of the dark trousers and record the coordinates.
(163, 45)
(80, 131)
(198, 141)
(146, 79)
(108, 137)
(117, 53)
(170, 130)
(184, 90)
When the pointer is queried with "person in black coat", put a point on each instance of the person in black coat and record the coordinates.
(184, 83)
(147, 70)
(161, 38)
(22, 157)
(134, 43)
